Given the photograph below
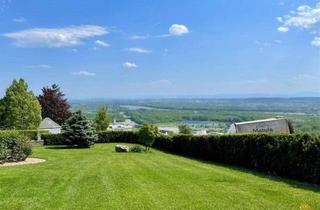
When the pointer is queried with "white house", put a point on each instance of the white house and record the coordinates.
(272, 125)
(49, 125)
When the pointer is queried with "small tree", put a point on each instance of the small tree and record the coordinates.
(185, 129)
(102, 120)
(20, 108)
(147, 135)
(54, 104)
(78, 131)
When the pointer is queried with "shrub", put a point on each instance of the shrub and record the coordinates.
(13, 146)
(53, 139)
(293, 156)
(147, 135)
(117, 136)
(78, 131)
(185, 129)
(137, 148)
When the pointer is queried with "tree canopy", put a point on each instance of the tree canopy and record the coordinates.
(54, 104)
(185, 129)
(102, 120)
(20, 109)
(148, 134)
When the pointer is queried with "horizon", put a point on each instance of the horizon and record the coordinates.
(144, 49)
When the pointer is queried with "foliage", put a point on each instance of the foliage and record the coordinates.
(185, 129)
(102, 120)
(13, 146)
(54, 104)
(21, 108)
(293, 156)
(103, 137)
(53, 139)
(137, 149)
(117, 136)
(78, 131)
(147, 135)
(2, 112)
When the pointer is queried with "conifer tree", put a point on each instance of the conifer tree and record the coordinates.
(78, 131)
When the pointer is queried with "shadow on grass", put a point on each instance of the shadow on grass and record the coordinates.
(281, 179)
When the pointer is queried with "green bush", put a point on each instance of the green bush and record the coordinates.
(13, 146)
(53, 139)
(137, 148)
(147, 135)
(117, 136)
(103, 137)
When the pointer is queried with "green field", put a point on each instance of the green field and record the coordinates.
(99, 178)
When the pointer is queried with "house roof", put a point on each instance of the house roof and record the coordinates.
(47, 123)
(259, 121)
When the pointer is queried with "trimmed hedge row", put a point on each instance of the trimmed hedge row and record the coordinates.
(103, 137)
(292, 156)
(13, 146)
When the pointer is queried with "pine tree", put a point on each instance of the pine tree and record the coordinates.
(102, 120)
(20, 108)
(78, 131)
(54, 104)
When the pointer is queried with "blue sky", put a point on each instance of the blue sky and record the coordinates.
(141, 48)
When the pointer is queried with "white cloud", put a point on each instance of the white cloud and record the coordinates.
(55, 37)
(129, 65)
(39, 66)
(101, 43)
(178, 30)
(138, 50)
(84, 73)
(316, 41)
(304, 17)
(19, 20)
(137, 37)
(283, 29)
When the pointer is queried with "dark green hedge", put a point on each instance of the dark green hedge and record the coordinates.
(293, 156)
(13, 146)
(52, 139)
(103, 137)
(118, 136)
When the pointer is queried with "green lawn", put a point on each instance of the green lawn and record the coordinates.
(99, 178)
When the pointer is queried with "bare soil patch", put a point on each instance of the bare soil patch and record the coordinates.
(25, 162)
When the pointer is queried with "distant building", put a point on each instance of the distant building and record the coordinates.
(49, 125)
(168, 130)
(200, 132)
(272, 125)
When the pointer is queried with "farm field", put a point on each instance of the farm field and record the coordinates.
(99, 178)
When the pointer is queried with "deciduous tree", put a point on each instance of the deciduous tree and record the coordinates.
(21, 109)
(54, 104)
(102, 120)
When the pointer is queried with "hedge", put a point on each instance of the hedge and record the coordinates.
(13, 146)
(103, 137)
(294, 156)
